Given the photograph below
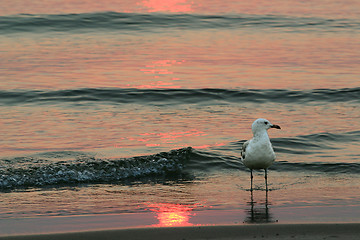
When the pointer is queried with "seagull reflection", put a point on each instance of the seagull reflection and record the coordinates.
(259, 211)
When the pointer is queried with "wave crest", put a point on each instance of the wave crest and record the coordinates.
(114, 21)
(90, 170)
(176, 96)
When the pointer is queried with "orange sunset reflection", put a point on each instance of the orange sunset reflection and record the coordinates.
(167, 5)
(170, 137)
(171, 215)
(160, 71)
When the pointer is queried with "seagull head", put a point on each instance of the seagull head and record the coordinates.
(262, 124)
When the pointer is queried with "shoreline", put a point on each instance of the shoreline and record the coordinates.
(248, 231)
(82, 224)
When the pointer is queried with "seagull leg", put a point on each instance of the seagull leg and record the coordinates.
(266, 180)
(251, 176)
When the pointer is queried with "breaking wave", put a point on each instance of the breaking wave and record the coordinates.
(176, 96)
(91, 170)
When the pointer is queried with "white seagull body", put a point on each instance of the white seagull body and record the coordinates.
(257, 153)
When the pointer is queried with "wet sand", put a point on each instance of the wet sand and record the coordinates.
(256, 231)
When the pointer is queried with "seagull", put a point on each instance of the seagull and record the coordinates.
(257, 153)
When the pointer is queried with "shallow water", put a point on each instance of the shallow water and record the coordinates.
(87, 89)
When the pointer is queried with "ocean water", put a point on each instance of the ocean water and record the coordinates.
(142, 108)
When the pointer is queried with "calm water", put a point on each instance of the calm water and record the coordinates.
(142, 107)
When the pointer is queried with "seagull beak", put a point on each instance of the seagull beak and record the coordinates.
(275, 126)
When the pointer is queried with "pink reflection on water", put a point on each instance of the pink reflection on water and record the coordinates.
(160, 69)
(327, 8)
(167, 139)
(209, 145)
(168, 5)
(170, 137)
(258, 60)
(171, 215)
(155, 85)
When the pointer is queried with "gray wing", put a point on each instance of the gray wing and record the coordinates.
(243, 149)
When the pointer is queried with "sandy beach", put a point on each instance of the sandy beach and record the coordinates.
(257, 231)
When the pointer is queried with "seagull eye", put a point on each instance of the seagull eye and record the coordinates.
(266, 123)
